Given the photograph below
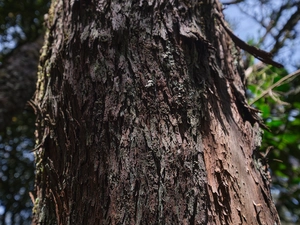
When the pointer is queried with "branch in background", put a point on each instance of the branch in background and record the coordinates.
(263, 56)
(270, 21)
(255, 67)
(232, 2)
(284, 33)
(278, 83)
(274, 19)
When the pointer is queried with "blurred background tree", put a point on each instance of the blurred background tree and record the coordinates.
(277, 22)
(17, 170)
(21, 32)
(20, 22)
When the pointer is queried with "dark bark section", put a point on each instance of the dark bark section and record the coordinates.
(138, 118)
(18, 80)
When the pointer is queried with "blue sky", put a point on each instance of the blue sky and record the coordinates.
(247, 28)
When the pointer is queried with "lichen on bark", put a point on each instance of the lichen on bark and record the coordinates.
(140, 120)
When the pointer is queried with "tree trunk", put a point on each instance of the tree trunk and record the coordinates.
(142, 119)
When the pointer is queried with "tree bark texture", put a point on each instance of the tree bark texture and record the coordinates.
(142, 119)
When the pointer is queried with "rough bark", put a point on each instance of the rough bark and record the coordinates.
(142, 119)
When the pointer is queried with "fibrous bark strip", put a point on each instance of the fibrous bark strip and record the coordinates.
(143, 118)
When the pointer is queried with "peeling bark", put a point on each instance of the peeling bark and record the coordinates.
(142, 119)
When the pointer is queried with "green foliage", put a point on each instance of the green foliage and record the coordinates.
(280, 110)
(22, 21)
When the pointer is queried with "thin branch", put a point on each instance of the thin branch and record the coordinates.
(262, 55)
(278, 83)
(232, 2)
(284, 32)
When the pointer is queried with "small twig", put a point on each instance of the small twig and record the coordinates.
(278, 83)
(232, 2)
(31, 197)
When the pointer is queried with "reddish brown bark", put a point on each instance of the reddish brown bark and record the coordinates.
(142, 119)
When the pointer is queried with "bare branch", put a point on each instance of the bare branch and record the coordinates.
(262, 55)
(278, 83)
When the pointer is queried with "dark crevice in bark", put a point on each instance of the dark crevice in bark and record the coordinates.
(146, 126)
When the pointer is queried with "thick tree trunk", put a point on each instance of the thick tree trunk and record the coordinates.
(142, 119)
